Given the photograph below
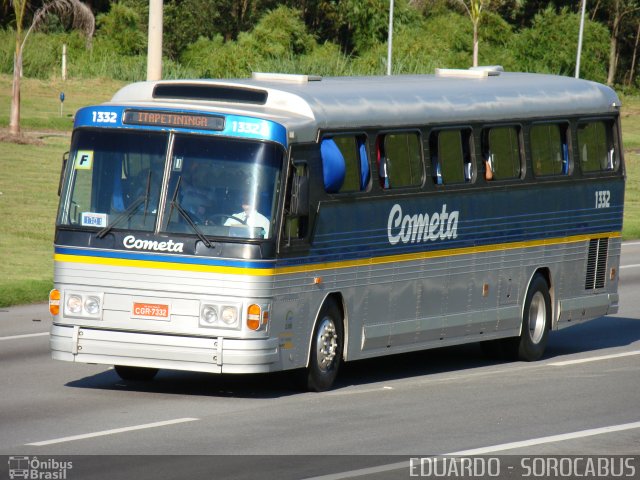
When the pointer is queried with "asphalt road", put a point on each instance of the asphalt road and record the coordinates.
(582, 398)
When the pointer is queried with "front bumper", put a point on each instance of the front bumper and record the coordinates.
(115, 347)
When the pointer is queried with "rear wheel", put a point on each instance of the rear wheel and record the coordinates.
(536, 320)
(326, 348)
(139, 374)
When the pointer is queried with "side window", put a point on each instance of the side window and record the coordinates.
(596, 147)
(450, 152)
(400, 160)
(296, 222)
(345, 163)
(549, 149)
(501, 153)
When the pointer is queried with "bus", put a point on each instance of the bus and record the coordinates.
(294, 222)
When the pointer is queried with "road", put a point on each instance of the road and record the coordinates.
(582, 398)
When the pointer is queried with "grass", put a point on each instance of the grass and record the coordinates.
(28, 202)
(631, 140)
(30, 173)
(29, 181)
(40, 102)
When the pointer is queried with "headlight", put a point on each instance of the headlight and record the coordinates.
(84, 305)
(229, 315)
(209, 314)
(219, 316)
(92, 305)
(74, 304)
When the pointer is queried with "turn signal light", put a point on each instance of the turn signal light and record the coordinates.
(54, 302)
(253, 317)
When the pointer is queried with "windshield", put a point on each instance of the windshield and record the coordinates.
(225, 187)
(113, 175)
(215, 187)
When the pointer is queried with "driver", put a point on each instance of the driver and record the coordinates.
(249, 215)
(196, 199)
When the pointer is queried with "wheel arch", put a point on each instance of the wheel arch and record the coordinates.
(338, 299)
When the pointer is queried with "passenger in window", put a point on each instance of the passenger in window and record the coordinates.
(249, 216)
(383, 173)
(436, 168)
(467, 170)
(488, 167)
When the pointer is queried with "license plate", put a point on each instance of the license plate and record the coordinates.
(156, 311)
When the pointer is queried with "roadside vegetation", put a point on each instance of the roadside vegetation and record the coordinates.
(30, 174)
(227, 38)
(29, 181)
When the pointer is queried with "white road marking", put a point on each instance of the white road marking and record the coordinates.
(485, 450)
(26, 335)
(594, 359)
(112, 432)
(633, 265)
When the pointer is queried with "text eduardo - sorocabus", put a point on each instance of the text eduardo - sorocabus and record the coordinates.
(421, 227)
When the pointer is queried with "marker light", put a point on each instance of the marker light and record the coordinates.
(54, 302)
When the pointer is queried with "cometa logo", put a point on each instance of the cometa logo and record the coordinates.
(132, 242)
(421, 227)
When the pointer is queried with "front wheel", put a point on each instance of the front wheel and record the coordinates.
(136, 374)
(326, 348)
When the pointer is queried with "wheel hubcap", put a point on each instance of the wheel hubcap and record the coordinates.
(327, 345)
(537, 317)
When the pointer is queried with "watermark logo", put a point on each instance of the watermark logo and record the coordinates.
(38, 469)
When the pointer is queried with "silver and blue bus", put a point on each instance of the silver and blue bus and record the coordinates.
(293, 222)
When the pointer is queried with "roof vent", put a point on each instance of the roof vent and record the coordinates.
(473, 72)
(285, 77)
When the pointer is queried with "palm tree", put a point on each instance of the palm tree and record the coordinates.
(82, 19)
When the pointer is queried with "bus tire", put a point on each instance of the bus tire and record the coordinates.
(326, 348)
(536, 320)
(136, 374)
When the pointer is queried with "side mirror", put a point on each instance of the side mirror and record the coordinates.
(65, 157)
(299, 195)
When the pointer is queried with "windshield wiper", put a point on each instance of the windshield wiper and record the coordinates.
(131, 209)
(183, 213)
(124, 215)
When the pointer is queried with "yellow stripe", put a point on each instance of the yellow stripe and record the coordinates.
(119, 262)
(406, 257)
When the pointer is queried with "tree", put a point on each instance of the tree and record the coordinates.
(543, 48)
(77, 13)
(618, 10)
(474, 9)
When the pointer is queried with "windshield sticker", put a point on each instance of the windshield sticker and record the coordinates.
(84, 160)
(90, 219)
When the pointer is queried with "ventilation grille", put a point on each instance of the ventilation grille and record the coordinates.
(596, 263)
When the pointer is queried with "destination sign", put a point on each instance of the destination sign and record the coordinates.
(172, 119)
